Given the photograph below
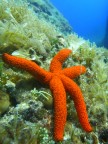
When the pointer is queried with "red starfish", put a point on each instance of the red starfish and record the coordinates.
(59, 81)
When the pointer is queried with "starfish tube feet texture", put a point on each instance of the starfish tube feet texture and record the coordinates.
(79, 103)
(60, 81)
(59, 97)
(74, 71)
(59, 58)
(27, 65)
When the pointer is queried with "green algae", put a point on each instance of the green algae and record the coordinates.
(21, 28)
(1, 68)
(4, 102)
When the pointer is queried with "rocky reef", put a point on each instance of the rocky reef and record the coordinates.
(35, 30)
(45, 10)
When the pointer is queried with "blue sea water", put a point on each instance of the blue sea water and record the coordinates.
(88, 18)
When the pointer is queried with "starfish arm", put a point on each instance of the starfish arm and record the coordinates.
(60, 111)
(59, 58)
(74, 71)
(78, 99)
(27, 65)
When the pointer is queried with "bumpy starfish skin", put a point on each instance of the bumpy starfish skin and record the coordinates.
(59, 81)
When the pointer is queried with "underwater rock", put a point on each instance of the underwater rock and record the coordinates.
(10, 86)
(24, 88)
(4, 102)
(19, 125)
(103, 136)
(34, 111)
(46, 10)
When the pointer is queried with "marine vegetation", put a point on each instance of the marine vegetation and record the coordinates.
(26, 114)
(20, 28)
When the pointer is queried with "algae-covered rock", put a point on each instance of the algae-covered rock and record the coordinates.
(45, 9)
(15, 127)
(20, 28)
